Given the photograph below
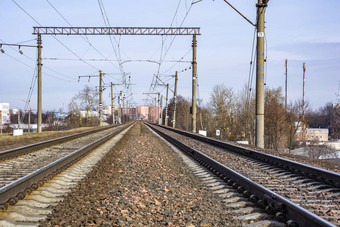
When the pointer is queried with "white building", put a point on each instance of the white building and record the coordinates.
(90, 113)
(5, 114)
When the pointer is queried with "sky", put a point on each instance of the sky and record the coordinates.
(300, 31)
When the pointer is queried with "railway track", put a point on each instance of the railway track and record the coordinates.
(31, 169)
(12, 153)
(295, 194)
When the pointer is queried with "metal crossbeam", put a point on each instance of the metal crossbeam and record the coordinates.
(116, 31)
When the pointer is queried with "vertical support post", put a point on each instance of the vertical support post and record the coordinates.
(194, 77)
(161, 109)
(112, 105)
(166, 105)
(39, 87)
(175, 99)
(259, 142)
(155, 114)
(123, 110)
(18, 118)
(100, 98)
(286, 73)
(29, 119)
(158, 111)
(304, 126)
(303, 91)
(128, 110)
(120, 108)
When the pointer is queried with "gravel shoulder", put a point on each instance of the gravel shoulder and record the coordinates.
(141, 182)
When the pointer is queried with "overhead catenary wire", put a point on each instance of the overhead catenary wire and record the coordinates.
(173, 39)
(48, 74)
(107, 24)
(251, 69)
(85, 39)
(118, 51)
(54, 36)
(30, 92)
(45, 67)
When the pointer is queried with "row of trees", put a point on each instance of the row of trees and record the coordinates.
(233, 114)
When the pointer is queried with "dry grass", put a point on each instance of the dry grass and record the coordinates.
(8, 141)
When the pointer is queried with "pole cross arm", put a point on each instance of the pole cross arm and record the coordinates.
(116, 31)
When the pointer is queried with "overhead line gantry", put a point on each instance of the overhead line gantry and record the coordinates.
(116, 31)
(119, 31)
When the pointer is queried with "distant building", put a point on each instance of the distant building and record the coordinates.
(5, 114)
(106, 110)
(154, 112)
(148, 113)
(90, 113)
(142, 112)
(312, 134)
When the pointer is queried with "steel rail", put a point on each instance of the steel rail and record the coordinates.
(7, 154)
(284, 210)
(16, 190)
(322, 175)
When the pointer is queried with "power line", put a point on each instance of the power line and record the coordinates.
(48, 74)
(45, 67)
(54, 36)
(86, 40)
(166, 71)
(172, 41)
(123, 61)
(107, 24)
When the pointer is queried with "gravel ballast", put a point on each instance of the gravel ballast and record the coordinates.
(141, 182)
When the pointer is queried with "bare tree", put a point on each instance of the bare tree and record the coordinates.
(86, 100)
(222, 103)
(245, 112)
(275, 122)
(335, 122)
(182, 113)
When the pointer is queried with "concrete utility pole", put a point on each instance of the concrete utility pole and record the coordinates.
(128, 110)
(161, 117)
(112, 105)
(18, 118)
(286, 65)
(158, 107)
(100, 98)
(194, 77)
(303, 92)
(120, 108)
(166, 105)
(29, 119)
(261, 6)
(123, 108)
(155, 110)
(39, 86)
(175, 99)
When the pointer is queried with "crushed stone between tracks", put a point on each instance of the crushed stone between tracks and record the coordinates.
(141, 182)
